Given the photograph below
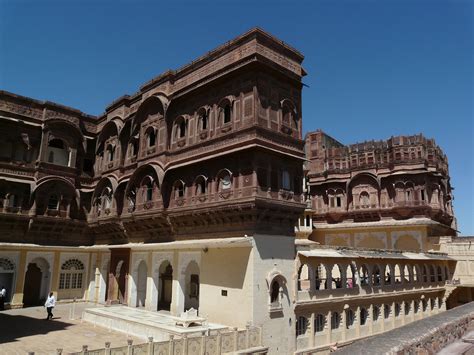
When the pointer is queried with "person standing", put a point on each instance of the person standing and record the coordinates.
(50, 303)
(3, 296)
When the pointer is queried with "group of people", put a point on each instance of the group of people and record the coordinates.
(49, 304)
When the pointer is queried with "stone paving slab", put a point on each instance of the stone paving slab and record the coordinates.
(24, 330)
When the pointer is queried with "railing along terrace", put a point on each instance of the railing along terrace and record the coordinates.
(215, 343)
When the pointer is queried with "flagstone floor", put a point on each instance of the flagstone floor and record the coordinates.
(24, 330)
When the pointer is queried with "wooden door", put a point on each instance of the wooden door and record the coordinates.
(32, 288)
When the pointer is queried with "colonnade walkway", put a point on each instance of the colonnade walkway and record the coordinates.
(433, 334)
(25, 329)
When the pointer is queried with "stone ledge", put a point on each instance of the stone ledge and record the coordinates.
(425, 336)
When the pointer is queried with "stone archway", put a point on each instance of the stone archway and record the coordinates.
(191, 296)
(36, 282)
(165, 286)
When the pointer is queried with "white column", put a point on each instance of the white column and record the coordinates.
(179, 285)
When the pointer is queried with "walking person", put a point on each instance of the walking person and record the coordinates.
(50, 303)
(3, 296)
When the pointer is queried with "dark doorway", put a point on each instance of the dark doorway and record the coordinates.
(166, 279)
(32, 288)
(121, 284)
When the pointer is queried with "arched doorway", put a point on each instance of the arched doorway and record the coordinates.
(192, 286)
(120, 272)
(7, 275)
(36, 282)
(141, 284)
(165, 292)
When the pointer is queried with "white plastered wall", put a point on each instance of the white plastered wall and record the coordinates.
(274, 254)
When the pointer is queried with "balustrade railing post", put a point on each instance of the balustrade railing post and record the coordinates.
(59, 351)
(185, 343)
(150, 345)
(171, 346)
(85, 349)
(219, 343)
(236, 335)
(107, 348)
(203, 342)
(129, 346)
(247, 336)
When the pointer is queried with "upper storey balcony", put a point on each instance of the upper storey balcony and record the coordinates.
(244, 93)
(341, 293)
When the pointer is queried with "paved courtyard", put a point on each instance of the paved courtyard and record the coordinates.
(24, 330)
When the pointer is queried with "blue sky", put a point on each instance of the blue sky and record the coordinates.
(375, 68)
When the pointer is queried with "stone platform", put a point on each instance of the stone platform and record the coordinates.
(143, 324)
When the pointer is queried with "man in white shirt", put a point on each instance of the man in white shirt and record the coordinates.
(3, 296)
(49, 304)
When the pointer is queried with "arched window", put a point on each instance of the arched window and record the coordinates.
(227, 113)
(388, 276)
(432, 303)
(148, 191)
(375, 313)
(363, 316)
(350, 318)
(58, 152)
(201, 185)
(303, 278)
(53, 202)
(203, 120)
(321, 277)
(397, 274)
(301, 325)
(151, 137)
(440, 273)
(224, 180)
(335, 320)
(386, 311)
(110, 153)
(179, 189)
(397, 309)
(71, 275)
(376, 276)
(133, 148)
(319, 323)
(424, 304)
(407, 308)
(182, 129)
(350, 276)
(337, 275)
(131, 200)
(275, 292)
(364, 275)
(106, 198)
(416, 306)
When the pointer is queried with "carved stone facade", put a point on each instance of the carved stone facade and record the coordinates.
(213, 148)
(384, 194)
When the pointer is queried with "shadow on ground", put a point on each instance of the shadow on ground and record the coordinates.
(14, 327)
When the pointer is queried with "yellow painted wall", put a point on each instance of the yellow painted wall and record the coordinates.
(404, 237)
(230, 270)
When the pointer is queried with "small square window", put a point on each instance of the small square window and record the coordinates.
(224, 293)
